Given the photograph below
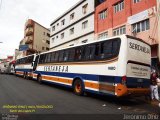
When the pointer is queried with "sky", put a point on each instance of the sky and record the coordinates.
(14, 13)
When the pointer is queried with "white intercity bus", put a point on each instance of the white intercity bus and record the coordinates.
(24, 66)
(10, 67)
(115, 66)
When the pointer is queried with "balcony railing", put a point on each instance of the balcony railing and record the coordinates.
(29, 23)
(29, 31)
(28, 40)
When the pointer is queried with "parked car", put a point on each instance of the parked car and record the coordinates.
(4, 67)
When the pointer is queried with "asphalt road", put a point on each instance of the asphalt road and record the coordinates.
(28, 96)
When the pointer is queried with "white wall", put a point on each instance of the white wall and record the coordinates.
(75, 42)
(78, 31)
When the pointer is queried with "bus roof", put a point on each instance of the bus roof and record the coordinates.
(26, 56)
(82, 44)
(120, 36)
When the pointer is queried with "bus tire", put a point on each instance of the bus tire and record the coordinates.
(78, 87)
(39, 79)
(24, 75)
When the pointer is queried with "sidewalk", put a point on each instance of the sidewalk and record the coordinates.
(154, 103)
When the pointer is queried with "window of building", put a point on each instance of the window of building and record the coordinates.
(103, 35)
(63, 22)
(84, 24)
(84, 8)
(47, 41)
(136, 1)
(47, 48)
(119, 31)
(62, 35)
(141, 26)
(103, 15)
(57, 24)
(53, 39)
(119, 6)
(42, 48)
(71, 31)
(57, 36)
(44, 33)
(48, 35)
(53, 28)
(85, 41)
(72, 16)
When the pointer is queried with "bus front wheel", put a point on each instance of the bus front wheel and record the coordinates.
(78, 87)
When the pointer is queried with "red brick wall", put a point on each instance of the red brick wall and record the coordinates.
(115, 19)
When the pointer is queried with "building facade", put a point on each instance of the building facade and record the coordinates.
(133, 17)
(75, 26)
(90, 20)
(158, 14)
(36, 37)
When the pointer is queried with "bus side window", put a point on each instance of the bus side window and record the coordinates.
(61, 54)
(89, 52)
(86, 52)
(46, 56)
(66, 55)
(92, 52)
(49, 57)
(23, 60)
(78, 53)
(27, 59)
(116, 47)
(41, 59)
(52, 56)
(106, 50)
(56, 56)
(71, 54)
(97, 50)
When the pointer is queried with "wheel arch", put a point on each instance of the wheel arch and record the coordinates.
(78, 78)
(38, 74)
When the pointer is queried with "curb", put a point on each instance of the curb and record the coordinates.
(154, 103)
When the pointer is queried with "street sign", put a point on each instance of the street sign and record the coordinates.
(23, 47)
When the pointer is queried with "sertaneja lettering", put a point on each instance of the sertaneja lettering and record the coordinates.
(56, 68)
(139, 48)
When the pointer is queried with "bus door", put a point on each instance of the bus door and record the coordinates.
(35, 63)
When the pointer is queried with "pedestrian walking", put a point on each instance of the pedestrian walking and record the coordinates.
(154, 86)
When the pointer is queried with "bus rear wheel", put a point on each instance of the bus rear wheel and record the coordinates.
(78, 87)
(24, 75)
(39, 78)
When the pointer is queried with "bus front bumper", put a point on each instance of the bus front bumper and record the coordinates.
(122, 90)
